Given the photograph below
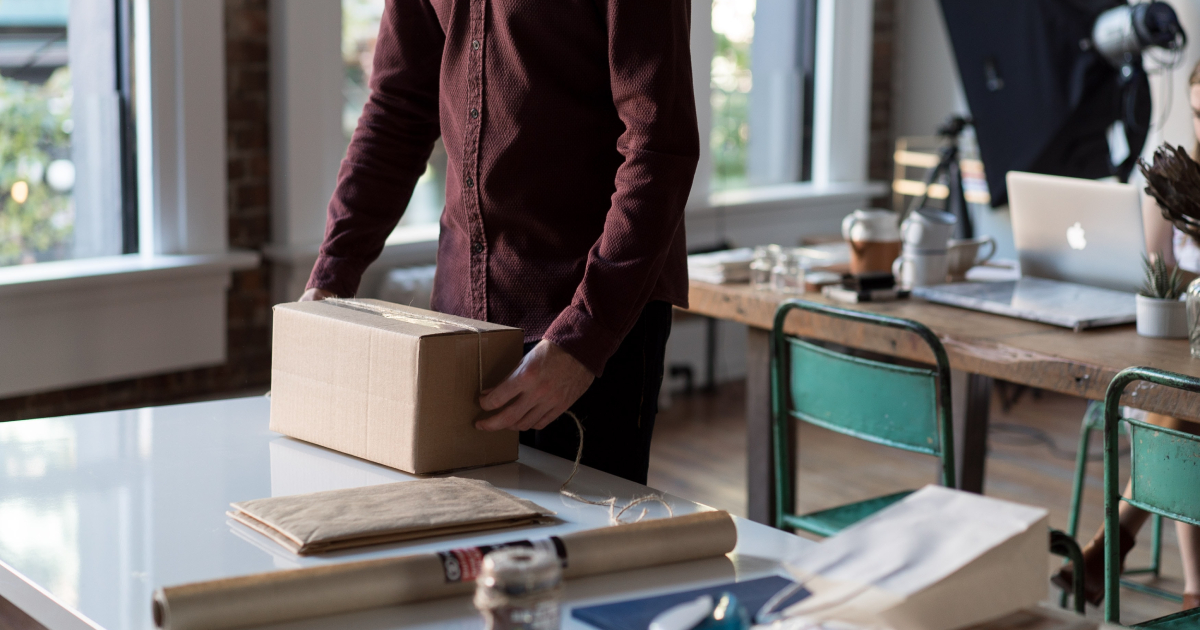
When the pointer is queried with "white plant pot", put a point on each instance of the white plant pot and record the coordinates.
(1161, 318)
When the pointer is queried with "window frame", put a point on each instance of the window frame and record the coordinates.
(93, 320)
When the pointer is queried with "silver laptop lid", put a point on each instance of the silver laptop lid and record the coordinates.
(1077, 230)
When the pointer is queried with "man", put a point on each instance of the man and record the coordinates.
(570, 128)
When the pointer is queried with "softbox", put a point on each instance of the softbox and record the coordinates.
(1041, 98)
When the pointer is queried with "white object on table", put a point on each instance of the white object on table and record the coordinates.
(729, 265)
(99, 510)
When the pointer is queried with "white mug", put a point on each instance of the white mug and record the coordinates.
(871, 226)
(921, 269)
(928, 229)
(964, 254)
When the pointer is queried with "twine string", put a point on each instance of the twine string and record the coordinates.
(614, 515)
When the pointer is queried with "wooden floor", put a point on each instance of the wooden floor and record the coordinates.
(699, 453)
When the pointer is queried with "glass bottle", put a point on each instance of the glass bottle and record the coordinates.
(1193, 316)
(787, 276)
(760, 267)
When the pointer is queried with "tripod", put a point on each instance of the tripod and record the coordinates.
(948, 165)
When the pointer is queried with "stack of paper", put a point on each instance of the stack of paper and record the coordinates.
(726, 266)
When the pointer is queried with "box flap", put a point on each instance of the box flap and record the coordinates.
(397, 318)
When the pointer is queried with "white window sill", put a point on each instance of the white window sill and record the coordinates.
(417, 244)
(794, 196)
(72, 323)
(69, 275)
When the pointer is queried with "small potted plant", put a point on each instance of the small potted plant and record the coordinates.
(1160, 312)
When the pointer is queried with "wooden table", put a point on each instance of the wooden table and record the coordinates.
(982, 347)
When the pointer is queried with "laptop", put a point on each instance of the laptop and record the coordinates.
(1080, 244)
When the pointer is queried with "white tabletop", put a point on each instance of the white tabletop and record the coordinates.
(98, 510)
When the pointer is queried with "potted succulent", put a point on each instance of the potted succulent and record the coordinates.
(1160, 312)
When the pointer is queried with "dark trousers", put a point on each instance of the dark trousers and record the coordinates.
(618, 409)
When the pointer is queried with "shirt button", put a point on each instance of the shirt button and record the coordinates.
(476, 247)
(470, 183)
(475, 44)
(474, 113)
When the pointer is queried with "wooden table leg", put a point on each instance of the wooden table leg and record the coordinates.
(972, 402)
(759, 460)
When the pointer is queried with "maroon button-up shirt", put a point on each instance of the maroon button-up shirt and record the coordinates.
(570, 128)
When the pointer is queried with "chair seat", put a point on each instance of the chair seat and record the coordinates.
(833, 520)
(1180, 620)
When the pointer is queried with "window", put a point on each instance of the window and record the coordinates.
(61, 115)
(762, 91)
(360, 26)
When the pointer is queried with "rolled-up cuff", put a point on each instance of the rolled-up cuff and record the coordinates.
(583, 338)
(339, 276)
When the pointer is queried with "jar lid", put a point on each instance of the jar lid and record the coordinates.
(517, 571)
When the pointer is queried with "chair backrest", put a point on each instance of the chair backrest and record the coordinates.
(1163, 469)
(900, 406)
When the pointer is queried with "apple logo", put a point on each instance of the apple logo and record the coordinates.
(1076, 237)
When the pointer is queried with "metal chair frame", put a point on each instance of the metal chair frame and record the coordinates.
(1093, 420)
(1112, 493)
(1060, 543)
(780, 407)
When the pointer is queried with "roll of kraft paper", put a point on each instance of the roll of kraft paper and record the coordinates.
(312, 592)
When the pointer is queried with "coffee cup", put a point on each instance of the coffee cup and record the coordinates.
(964, 254)
(927, 229)
(874, 239)
(920, 269)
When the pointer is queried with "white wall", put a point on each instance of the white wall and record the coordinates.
(925, 85)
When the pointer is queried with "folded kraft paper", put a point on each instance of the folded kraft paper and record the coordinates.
(279, 596)
(391, 384)
(356, 517)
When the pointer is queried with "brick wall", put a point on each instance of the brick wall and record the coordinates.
(879, 155)
(249, 342)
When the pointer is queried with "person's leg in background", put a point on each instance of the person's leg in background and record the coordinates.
(1189, 555)
(618, 410)
(1131, 520)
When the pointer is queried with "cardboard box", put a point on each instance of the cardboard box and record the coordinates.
(389, 383)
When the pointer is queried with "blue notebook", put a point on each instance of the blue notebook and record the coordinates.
(636, 614)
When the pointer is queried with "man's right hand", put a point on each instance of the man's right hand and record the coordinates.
(315, 295)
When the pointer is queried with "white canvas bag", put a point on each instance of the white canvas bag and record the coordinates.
(939, 559)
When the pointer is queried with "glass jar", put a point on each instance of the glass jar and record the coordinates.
(1193, 316)
(761, 266)
(787, 276)
(520, 588)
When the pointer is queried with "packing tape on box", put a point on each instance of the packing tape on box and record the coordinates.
(340, 588)
(433, 321)
(419, 319)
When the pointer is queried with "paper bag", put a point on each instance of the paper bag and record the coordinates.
(938, 560)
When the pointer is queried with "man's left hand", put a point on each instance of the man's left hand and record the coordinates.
(546, 383)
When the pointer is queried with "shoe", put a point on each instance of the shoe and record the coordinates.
(1093, 568)
(1190, 601)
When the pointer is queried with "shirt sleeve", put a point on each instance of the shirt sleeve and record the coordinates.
(651, 81)
(389, 149)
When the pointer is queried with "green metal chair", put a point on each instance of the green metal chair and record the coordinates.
(898, 406)
(894, 405)
(1093, 420)
(1164, 478)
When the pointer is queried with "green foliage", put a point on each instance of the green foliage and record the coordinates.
(1162, 282)
(730, 106)
(34, 130)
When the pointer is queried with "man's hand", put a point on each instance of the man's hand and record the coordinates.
(315, 295)
(546, 383)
